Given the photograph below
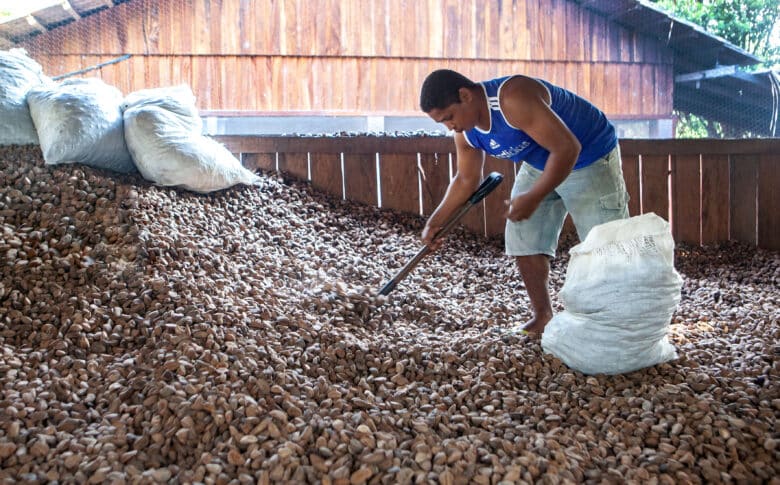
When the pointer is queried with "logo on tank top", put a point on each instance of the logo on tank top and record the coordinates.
(508, 153)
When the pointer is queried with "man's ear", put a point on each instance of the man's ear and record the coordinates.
(465, 95)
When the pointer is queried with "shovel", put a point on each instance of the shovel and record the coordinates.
(488, 184)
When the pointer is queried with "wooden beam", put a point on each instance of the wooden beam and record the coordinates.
(71, 11)
(324, 144)
(35, 24)
(708, 74)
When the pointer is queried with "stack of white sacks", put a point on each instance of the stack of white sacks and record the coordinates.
(154, 131)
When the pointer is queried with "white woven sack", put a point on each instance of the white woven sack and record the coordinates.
(18, 74)
(169, 150)
(620, 292)
(80, 121)
(177, 99)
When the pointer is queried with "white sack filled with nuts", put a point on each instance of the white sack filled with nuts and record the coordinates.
(18, 74)
(80, 121)
(178, 99)
(162, 129)
(620, 293)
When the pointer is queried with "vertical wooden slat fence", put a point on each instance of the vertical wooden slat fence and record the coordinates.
(710, 190)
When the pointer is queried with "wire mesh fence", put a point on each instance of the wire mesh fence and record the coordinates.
(367, 58)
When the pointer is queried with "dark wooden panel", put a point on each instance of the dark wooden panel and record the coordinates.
(647, 89)
(451, 20)
(744, 192)
(435, 179)
(511, 20)
(714, 198)
(615, 95)
(296, 164)
(597, 87)
(275, 83)
(655, 185)
(555, 11)
(492, 31)
(769, 201)
(360, 178)
(686, 202)
(574, 32)
(631, 176)
(259, 161)
(399, 182)
(495, 202)
(536, 37)
(326, 172)
(466, 29)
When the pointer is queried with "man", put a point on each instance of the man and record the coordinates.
(572, 165)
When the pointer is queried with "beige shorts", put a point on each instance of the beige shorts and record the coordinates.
(592, 195)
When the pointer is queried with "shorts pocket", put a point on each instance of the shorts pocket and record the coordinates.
(614, 201)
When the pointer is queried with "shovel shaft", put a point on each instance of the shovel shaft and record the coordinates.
(487, 185)
(390, 285)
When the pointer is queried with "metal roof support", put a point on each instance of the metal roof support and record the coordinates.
(708, 74)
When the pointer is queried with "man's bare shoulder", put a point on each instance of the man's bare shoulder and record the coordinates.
(522, 99)
(522, 89)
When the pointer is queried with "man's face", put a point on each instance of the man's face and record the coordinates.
(458, 117)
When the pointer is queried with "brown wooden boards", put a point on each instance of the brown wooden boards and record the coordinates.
(743, 195)
(399, 182)
(295, 164)
(769, 202)
(686, 206)
(655, 185)
(435, 178)
(714, 198)
(360, 178)
(326, 172)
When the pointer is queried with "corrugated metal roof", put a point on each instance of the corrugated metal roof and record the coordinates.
(695, 48)
(48, 18)
(709, 81)
(750, 101)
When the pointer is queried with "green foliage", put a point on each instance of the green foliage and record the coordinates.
(691, 126)
(749, 24)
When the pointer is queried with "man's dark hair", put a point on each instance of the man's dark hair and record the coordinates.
(440, 89)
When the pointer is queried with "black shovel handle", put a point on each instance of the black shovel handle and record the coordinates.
(488, 184)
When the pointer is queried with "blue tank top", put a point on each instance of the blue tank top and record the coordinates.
(589, 125)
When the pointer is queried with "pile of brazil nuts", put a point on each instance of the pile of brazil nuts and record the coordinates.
(151, 335)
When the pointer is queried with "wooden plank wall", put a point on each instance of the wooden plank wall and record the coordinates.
(710, 190)
(358, 55)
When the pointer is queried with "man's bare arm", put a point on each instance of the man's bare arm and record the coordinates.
(526, 106)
